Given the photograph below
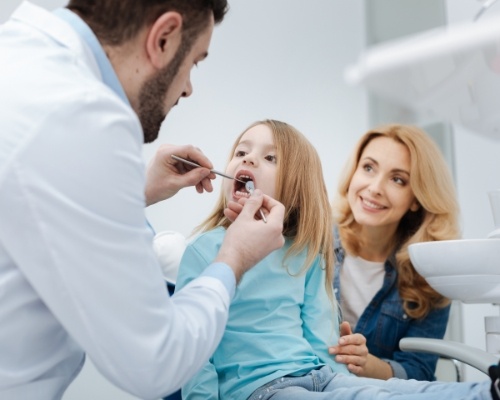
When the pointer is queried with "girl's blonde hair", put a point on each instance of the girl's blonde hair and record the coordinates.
(300, 187)
(436, 218)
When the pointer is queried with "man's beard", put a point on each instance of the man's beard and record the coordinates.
(152, 96)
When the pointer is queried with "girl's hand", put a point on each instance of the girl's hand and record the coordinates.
(233, 209)
(351, 350)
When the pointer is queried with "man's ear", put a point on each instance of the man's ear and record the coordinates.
(164, 38)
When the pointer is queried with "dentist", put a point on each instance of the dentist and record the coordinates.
(81, 89)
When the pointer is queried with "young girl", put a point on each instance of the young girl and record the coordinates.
(283, 318)
(396, 190)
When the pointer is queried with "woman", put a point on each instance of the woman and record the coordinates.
(396, 190)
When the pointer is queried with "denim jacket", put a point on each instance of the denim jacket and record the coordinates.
(384, 323)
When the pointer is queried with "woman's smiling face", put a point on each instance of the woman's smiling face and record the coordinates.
(379, 193)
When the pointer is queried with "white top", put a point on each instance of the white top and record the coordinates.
(77, 267)
(360, 280)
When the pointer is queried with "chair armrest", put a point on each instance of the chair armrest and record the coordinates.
(472, 356)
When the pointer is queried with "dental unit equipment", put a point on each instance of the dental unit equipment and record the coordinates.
(250, 188)
(193, 164)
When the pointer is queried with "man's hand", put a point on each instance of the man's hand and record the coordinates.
(248, 240)
(166, 176)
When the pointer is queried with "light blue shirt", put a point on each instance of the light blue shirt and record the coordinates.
(281, 322)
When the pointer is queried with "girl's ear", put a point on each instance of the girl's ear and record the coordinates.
(164, 38)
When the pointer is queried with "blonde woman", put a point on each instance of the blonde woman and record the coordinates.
(396, 190)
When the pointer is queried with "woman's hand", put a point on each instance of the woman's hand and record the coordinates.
(351, 350)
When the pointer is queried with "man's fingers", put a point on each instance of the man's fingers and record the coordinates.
(248, 240)
(275, 210)
(206, 184)
(253, 203)
(198, 177)
(187, 152)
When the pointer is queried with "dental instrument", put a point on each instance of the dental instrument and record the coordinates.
(249, 186)
(193, 164)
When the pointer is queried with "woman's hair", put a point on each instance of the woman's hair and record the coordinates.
(115, 22)
(436, 218)
(300, 187)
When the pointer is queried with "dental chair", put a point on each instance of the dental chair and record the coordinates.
(454, 351)
(470, 272)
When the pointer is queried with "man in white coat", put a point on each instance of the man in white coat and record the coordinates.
(81, 89)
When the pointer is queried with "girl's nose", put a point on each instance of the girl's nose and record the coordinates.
(249, 160)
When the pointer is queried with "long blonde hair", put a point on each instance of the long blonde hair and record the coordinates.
(436, 219)
(300, 187)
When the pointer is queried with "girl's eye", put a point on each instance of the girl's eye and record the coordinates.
(271, 158)
(239, 153)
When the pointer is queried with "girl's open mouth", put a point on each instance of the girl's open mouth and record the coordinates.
(239, 187)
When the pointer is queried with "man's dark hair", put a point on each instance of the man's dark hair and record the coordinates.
(115, 22)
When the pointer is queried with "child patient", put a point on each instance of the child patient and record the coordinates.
(283, 316)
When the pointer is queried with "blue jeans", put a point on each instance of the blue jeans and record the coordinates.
(325, 384)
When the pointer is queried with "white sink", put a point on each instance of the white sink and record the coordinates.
(466, 270)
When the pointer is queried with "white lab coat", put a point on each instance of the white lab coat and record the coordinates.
(77, 267)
